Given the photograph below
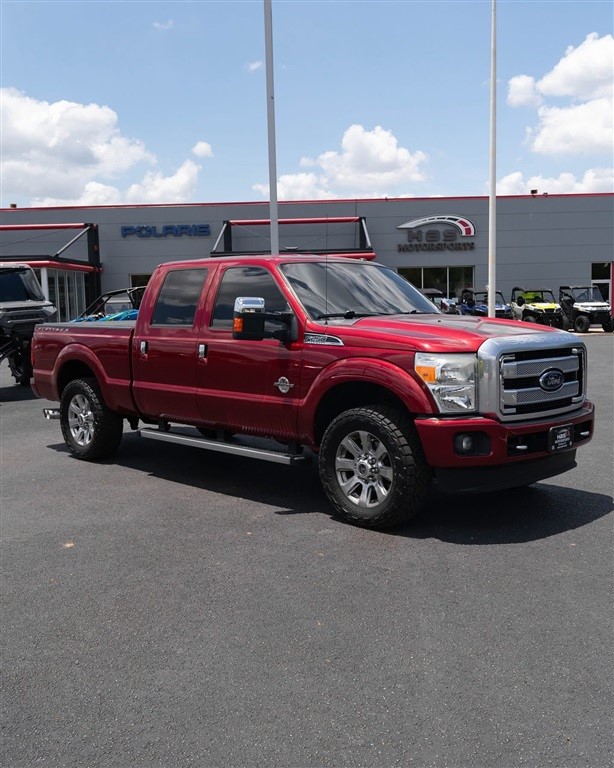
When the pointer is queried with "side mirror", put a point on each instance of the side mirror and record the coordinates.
(248, 318)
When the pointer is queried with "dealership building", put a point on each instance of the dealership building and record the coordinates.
(542, 240)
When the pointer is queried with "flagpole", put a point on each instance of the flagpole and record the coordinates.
(492, 196)
(268, 39)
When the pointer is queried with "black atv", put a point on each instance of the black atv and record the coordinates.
(22, 306)
(583, 306)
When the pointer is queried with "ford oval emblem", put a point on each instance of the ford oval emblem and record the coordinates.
(551, 380)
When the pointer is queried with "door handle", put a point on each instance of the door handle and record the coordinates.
(202, 351)
(143, 347)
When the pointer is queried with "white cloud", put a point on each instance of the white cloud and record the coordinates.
(253, 66)
(202, 149)
(585, 77)
(594, 180)
(522, 92)
(64, 153)
(582, 129)
(164, 25)
(584, 72)
(156, 188)
(370, 164)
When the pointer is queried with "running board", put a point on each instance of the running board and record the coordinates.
(223, 447)
(51, 413)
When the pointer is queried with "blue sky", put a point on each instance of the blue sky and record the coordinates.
(162, 102)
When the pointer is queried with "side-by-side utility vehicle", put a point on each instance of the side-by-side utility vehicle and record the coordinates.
(537, 305)
(22, 306)
(284, 357)
(583, 306)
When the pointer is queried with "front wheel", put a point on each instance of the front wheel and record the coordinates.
(530, 319)
(372, 467)
(582, 324)
(90, 428)
(608, 326)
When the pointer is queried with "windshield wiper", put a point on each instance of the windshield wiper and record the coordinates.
(349, 314)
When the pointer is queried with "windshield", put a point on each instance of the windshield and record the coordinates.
(19, 285)
(591, 293)
(481, 297)
(356, 289)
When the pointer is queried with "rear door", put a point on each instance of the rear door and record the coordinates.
(165, 349)
(243, 384)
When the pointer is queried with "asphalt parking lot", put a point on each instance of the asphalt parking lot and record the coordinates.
(178, 608)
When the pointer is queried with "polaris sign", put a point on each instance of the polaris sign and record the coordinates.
(166, 230)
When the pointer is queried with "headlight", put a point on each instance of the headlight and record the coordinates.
(452, 380)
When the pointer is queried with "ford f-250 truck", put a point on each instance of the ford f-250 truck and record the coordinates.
(332, 356)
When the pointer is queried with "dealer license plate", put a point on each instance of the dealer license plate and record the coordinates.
(560, 438)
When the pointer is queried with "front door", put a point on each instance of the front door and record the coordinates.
(248, 386)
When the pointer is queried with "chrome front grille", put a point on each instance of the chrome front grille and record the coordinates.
(532, 376)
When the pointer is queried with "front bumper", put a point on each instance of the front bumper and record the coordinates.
(510, 455)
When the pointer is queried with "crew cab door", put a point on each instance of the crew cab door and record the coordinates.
(165, 347)
(242, 384)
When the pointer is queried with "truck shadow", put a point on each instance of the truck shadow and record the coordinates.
(15, 393)
(514, 516)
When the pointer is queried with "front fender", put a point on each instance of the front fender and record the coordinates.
(363, 370)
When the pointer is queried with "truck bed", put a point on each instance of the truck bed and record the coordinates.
(103, 348)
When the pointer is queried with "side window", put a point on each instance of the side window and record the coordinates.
(247, 281)
(178, 298)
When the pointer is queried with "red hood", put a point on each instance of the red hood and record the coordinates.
(431, 333)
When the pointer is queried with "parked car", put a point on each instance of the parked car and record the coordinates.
(474, 302)
(583, 306)
(537, 305)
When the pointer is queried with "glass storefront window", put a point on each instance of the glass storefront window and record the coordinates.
(449, 280)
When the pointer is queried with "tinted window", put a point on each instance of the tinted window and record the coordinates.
(178, 297)
(19, 285)
(246, 281)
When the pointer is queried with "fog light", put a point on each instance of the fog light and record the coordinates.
(464, 443)
(472, 444)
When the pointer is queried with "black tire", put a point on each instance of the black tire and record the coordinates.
(372, 467)
(91, 430)
(608, 326)
(581, 324)
(566, 323)
(21, 368)
(530, 319)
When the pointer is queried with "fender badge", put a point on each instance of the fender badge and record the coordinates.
(283, 385)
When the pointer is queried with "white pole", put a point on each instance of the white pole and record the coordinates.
(492, 197)
(268, 38)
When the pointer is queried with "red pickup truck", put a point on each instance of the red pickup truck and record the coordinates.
(332, 356)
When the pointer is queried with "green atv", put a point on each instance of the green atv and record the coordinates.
(538, 305)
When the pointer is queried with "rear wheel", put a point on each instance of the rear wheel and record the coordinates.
(21, 368)
(530, 319)
(90, 429)
(608, 326)
(372, 467)
(581, 324)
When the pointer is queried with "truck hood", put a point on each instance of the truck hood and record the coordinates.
(432, 333)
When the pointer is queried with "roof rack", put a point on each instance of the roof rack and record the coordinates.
(364, 249)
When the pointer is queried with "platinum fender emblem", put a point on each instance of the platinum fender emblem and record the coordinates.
(551, 380)
(283, 385)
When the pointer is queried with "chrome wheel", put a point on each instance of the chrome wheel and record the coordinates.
(364, 469)
(81, 420)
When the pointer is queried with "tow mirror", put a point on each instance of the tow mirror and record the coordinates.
(248, 318)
